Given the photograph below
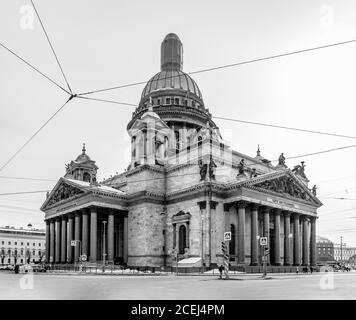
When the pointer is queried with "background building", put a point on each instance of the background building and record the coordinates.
(345, 254)
(19, 245)
(325, 249)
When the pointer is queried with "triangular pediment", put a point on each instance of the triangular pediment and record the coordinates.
(62, 191)
(284, 184)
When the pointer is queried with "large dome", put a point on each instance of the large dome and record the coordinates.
(171, 79)
(174, 95)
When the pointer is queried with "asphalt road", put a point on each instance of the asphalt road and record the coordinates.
(51, 286)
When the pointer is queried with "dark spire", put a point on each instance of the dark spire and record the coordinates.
(171, 53)
(258, 151)
(83, 150)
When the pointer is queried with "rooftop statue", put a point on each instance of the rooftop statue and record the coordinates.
(241, 166)
(314, 190)
(282, 160)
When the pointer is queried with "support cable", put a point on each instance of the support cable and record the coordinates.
(50, 44)
(34, 68)
(229, 65)
(33, 136)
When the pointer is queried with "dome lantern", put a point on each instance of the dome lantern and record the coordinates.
(171, 53)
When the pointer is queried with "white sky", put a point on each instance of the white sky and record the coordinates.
(110, 42)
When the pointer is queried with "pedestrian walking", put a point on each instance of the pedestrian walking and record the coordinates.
(221, 268)
(297, 270)
(16, 269)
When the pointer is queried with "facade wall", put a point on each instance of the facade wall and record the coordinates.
(145, 235)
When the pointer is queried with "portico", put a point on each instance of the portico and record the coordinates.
(82, 219)
(286, 220)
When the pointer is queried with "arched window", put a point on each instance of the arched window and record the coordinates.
(176, 133)
(134, 147)
(232, 248)
(86, 177)
(182, 239)
(200, 142)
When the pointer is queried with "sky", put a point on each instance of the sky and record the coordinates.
(109, 43)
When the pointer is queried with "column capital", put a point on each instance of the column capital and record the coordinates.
(277, 211)
(202, 204)
(85, 211)
(286, 213)
(254, 206)
(111, 211)
(213, 204)
(227, 207)
(265, 209)
(78, 213)
(305, 218)
(313, 219)
(64, 217)
(241, 204)
(296, 215)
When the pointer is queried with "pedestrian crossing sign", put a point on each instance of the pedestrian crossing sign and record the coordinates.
(263, 241)
(227, 236)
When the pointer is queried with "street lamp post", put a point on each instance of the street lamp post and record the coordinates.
(341, 249)
(104, 223)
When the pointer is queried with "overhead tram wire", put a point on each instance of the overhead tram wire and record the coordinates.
(242, 121)
(226, 66)
(26, 178)
(23, 192)
(34, 135)
(108, 101)
(285, 127)
(33, 67)
(250, 166)
(50, 44)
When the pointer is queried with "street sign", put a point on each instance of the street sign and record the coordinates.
(84, 257)
(263, 241)
(72, 243)
(227, 236)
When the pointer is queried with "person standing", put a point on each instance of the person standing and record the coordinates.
(221, 268)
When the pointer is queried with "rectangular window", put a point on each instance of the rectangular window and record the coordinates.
(168, 100)
(176, 100)
(28, 244)
(34, 252)
(2, 242)
(34, 244)
(22, 243)
(39, 244)
(9, 242)
(15, 243)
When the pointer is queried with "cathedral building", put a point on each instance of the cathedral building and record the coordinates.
(183, 188)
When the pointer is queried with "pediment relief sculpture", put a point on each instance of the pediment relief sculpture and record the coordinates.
(64, 191)
(284, 185)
